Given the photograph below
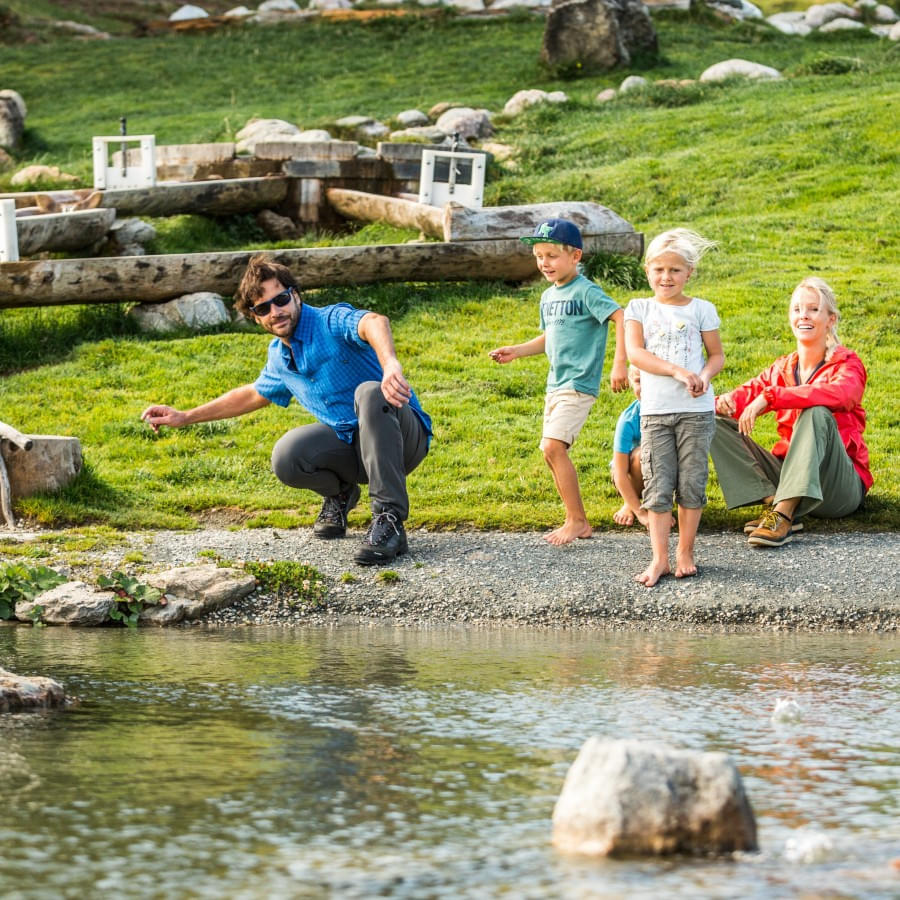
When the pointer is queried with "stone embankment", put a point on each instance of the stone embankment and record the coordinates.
(819, 582)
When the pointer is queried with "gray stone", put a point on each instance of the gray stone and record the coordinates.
(238, 12)
(466, 5)
(262, 131)
(636, 797)
(12, 119)
(819, 14)
(894, 34)
(842, 23)
(521, 100)
(186, 12)
(633, 83)
(314, 135)
(32, 174)
(278, 6)
(72, 603)
(423, 134)
(884, 15)
(790, 23)
(200, 310)
(193, 591)
(467, 122)
(276, 227)
(519, 4)
(132, 231)
(597, 34)
(18, 692)
(739, 68)
(330, 4)
(364, 126)
(606, 95)
(411, 118)
(82, 30)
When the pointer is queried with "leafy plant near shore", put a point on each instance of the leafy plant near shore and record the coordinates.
(299, 583)
(134, 597)
(20, 582)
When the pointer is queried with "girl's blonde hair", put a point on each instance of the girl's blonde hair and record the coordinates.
(822, 289)
(689, 245)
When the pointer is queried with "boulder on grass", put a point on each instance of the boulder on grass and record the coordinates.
(596, 35)
(636, 797)
(12, 119)
(204, 309)
(739, 68)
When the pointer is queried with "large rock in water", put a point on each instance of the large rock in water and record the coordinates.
(636, 797)
(597, 34)
(18, 692)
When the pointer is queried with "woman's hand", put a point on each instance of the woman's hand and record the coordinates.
(751, 411)
(725, 405)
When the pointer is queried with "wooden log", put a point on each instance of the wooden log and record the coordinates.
(8, 433)
(495, 222)
(63, 231)
(217, 198)
(51, 282)
(378, 208)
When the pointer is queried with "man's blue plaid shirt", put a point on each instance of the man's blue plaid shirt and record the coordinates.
(326, 362)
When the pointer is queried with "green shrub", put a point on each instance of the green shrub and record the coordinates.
(134, 597)
(18, 582)
(299, 582)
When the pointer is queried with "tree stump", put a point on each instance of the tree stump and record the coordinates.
(51, 463)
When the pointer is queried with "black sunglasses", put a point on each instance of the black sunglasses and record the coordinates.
(279, 300)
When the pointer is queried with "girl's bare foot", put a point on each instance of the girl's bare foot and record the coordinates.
(653, 573)
(568, 532)
(623, 515)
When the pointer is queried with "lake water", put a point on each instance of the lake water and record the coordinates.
(377, 762)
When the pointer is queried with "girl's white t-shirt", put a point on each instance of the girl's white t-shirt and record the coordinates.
(673, 333)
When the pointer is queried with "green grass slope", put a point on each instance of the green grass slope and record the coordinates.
(791, 178)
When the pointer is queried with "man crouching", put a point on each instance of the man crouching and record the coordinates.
(340, 364)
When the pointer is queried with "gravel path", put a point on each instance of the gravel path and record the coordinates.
(826, 582)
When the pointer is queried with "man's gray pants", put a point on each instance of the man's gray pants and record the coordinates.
(387, 446)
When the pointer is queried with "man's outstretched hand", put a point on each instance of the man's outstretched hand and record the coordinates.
(155, 416)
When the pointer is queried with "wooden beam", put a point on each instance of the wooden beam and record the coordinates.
(377, 208)
(51, 282)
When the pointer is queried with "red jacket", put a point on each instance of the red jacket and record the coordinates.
(838, 386)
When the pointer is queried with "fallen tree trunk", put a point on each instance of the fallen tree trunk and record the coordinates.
(463, 223)
(367, 207)
(52, 282)
(217, 197)
(63, 231)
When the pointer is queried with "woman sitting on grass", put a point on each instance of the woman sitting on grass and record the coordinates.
(820, 465)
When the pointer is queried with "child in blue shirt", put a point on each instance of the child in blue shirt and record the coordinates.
(626, 460)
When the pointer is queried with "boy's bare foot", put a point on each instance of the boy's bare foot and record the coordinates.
(653, 573)
(684, 564)
(568, 532)
(623, 515)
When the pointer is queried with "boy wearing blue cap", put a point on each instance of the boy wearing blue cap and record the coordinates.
(575, 316)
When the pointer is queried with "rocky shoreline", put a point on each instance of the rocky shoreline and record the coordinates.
(819, 582)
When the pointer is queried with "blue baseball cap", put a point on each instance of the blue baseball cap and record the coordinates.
(555, 231)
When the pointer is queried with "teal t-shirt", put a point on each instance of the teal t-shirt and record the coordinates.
(575, 321)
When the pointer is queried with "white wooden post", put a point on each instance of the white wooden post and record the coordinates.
(9, 237)
(107, 177)
(464, 181)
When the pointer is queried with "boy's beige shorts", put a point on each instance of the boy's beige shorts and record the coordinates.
(565, 413)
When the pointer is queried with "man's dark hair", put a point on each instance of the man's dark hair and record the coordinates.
(261, 268)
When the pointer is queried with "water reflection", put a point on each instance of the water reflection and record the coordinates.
(367, 761)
